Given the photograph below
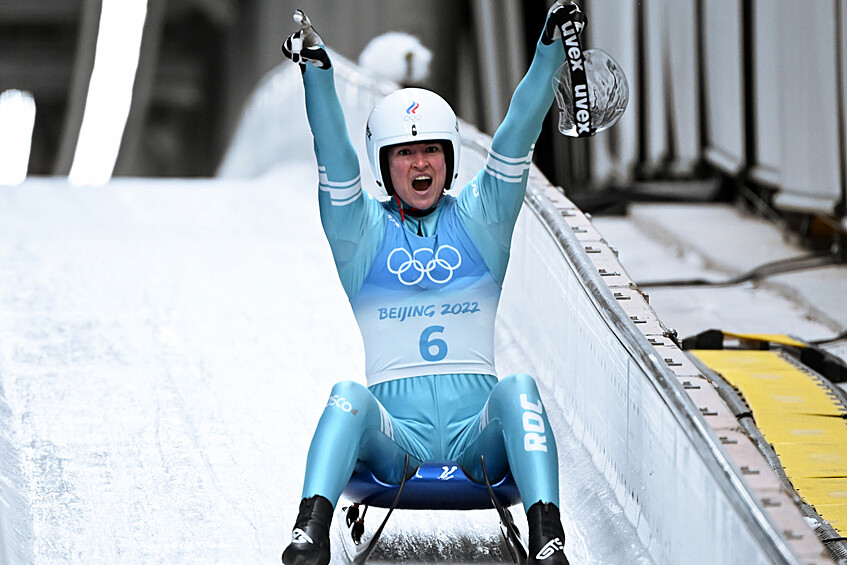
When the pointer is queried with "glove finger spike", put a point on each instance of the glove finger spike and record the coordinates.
(301, 18)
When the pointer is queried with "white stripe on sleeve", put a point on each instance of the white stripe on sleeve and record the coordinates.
(507, 169)
(342, 193)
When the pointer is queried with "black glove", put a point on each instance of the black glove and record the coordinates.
(562, 12)
(305, 45)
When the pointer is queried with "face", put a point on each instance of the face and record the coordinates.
(418, 172)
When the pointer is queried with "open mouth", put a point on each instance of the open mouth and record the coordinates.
(422, 183)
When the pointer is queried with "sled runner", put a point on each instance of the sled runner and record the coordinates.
(434, 486)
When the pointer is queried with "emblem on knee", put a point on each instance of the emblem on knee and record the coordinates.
(342, 404)
(534, 438)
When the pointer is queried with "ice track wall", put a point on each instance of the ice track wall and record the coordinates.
(665, 464)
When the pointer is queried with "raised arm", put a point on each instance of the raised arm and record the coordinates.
(336, 156)
(494, 198)
(534, 94)
(349, 218)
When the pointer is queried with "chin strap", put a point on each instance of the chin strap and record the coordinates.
(400, 207)
(412, 211)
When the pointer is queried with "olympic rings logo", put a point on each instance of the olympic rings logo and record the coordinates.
(411, 268)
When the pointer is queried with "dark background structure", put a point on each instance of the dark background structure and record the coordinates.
(741, 99)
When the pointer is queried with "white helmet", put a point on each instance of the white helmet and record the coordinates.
(410, 115)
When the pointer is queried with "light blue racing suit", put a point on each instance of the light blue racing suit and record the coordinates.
(425, 292)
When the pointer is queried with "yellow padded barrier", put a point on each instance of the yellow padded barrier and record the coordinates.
(800, 417)
(772, 338)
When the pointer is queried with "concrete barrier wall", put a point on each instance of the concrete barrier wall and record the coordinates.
(755, 89)
(723, 84)
(613, 28)
(809, 125)
(767, 162)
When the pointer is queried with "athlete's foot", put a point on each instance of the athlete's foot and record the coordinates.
(546, 535)
(310, 537)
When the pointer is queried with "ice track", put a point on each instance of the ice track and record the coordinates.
(166, 348)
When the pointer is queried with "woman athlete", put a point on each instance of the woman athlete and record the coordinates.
(423, 271)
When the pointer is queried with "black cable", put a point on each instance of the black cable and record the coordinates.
(781, 266)
(839, 337)
(791, 264)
